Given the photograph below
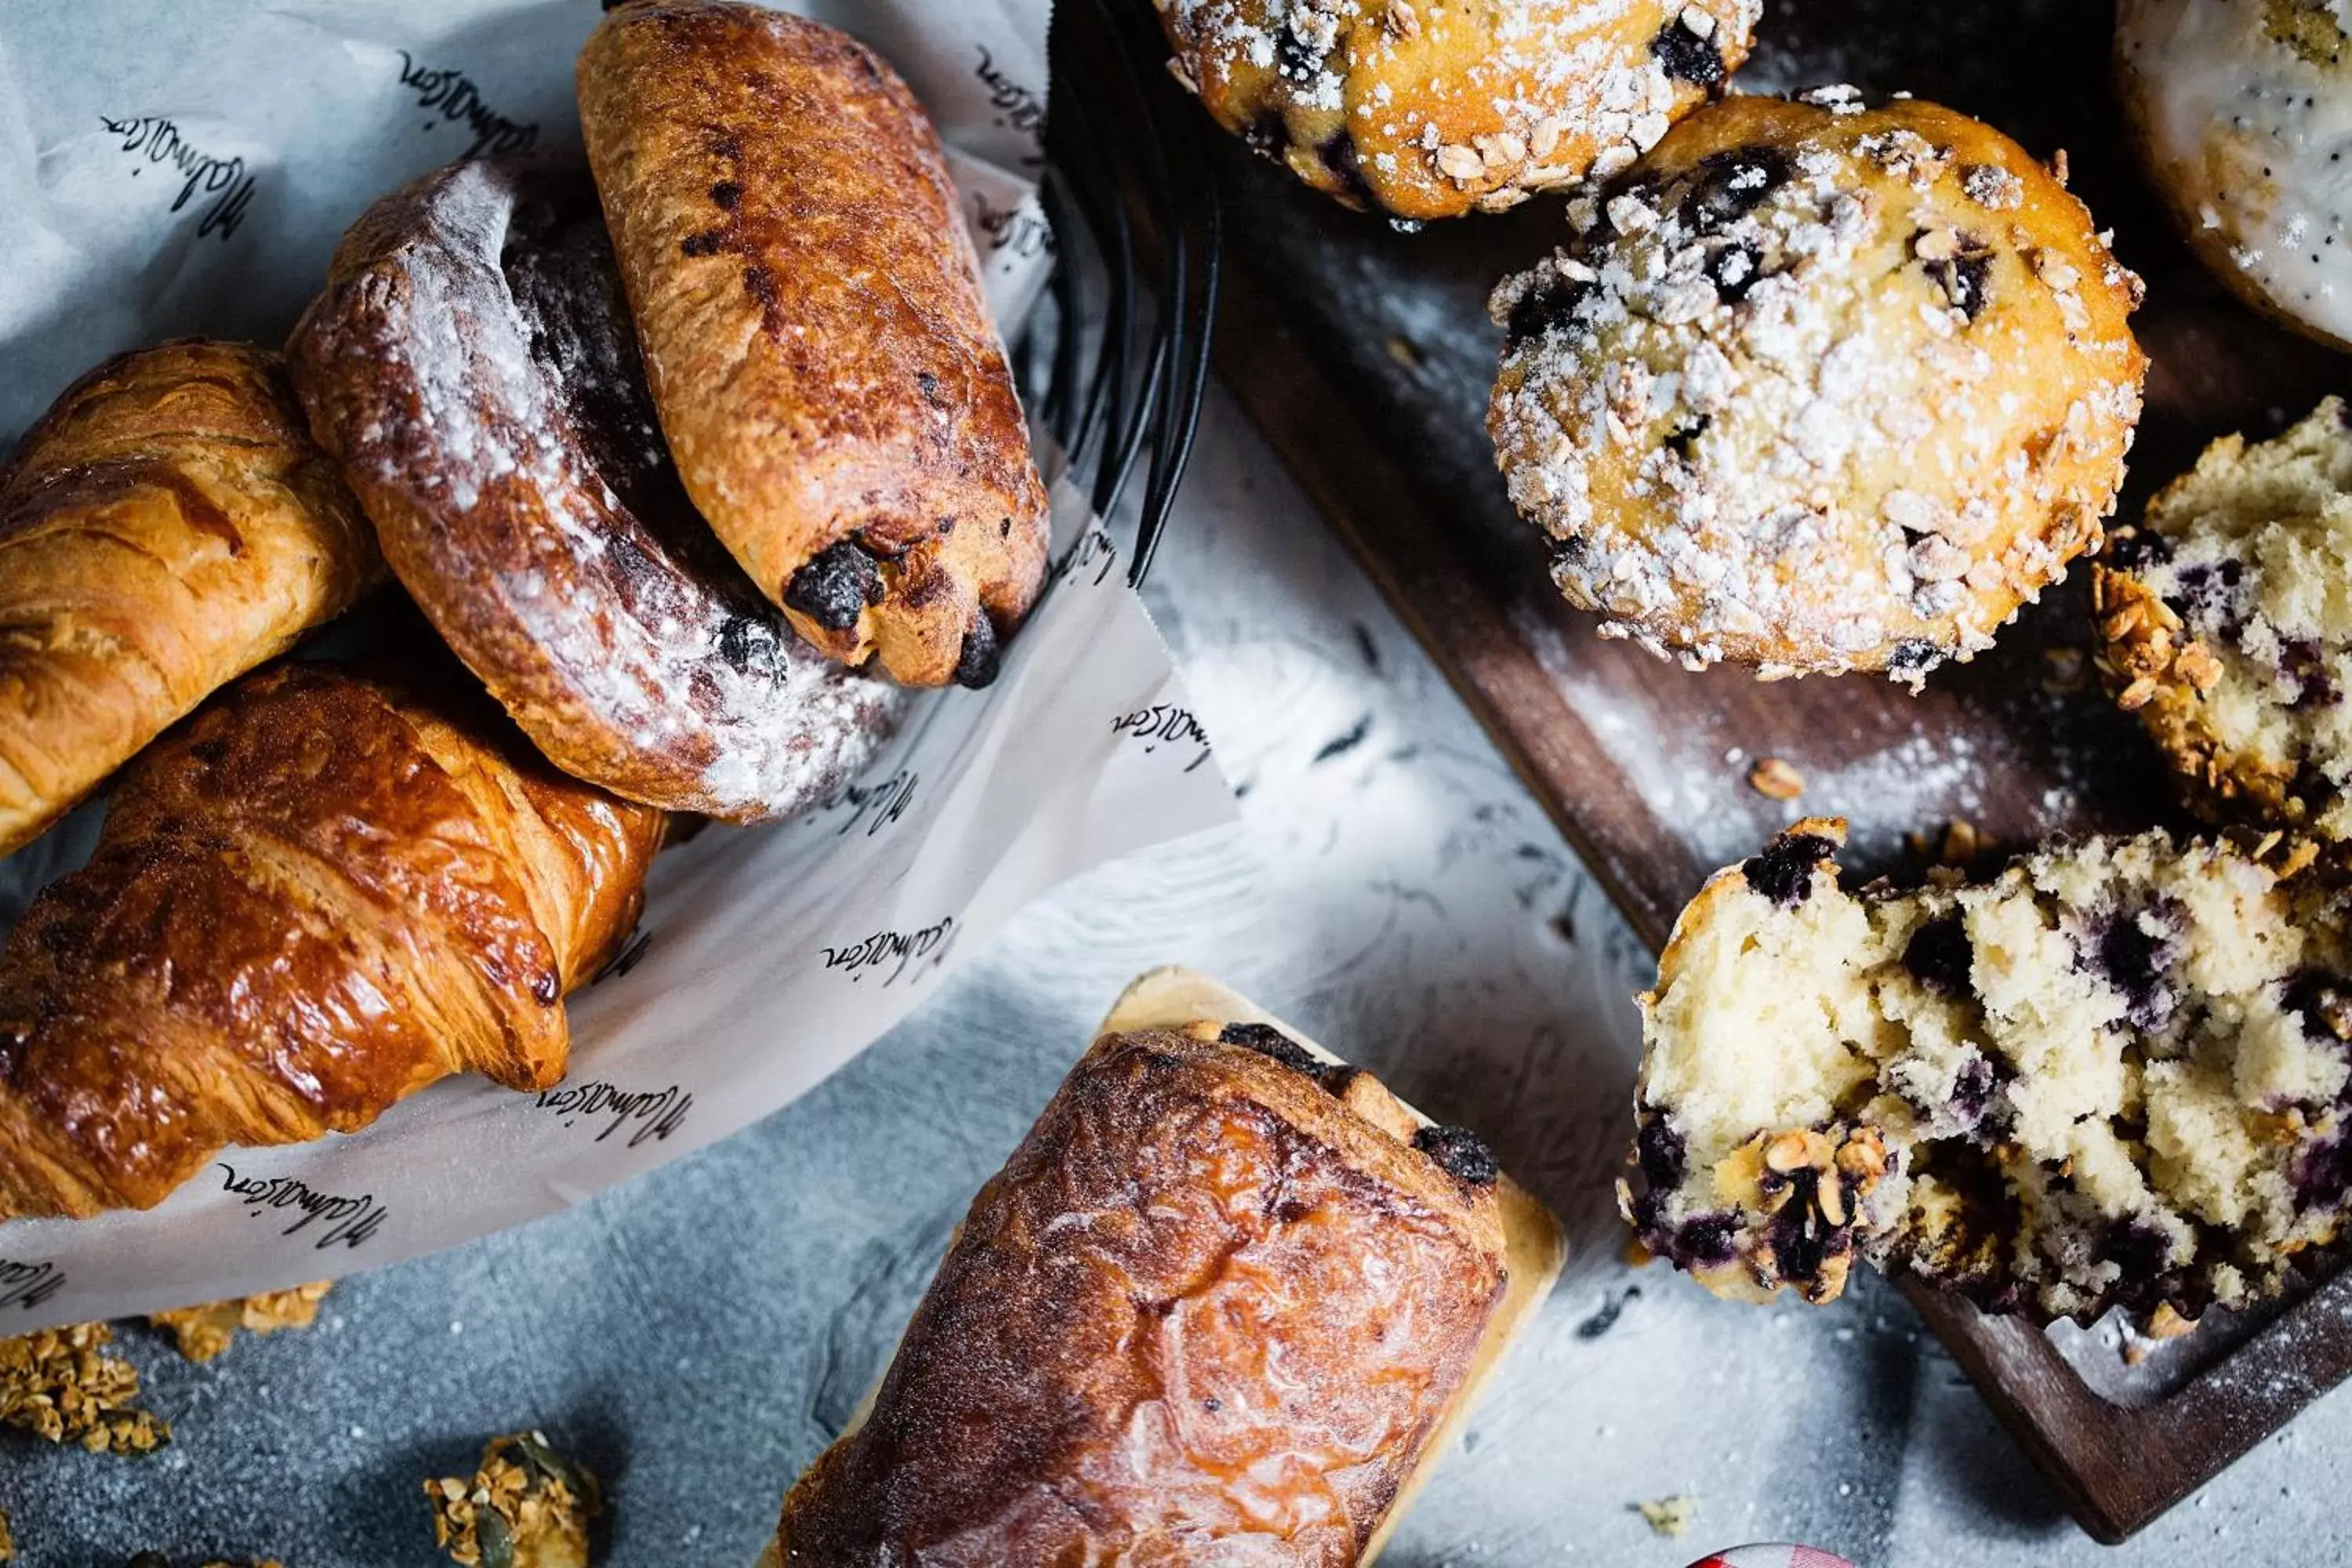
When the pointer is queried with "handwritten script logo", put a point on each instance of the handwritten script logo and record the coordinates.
(877, 805)
(1164, 724)
(886, 946)
(222, 179)
(660, 1112)
(454, 94)
(28, 1285)
(349, 1221)
(1093, 548)
(1018, 108)
(1019, 228)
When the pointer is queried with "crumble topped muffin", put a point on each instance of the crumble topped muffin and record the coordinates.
(2117, 1073)
(1815, 387)
(1427, 109)
(2241, 110)
(2226, 624)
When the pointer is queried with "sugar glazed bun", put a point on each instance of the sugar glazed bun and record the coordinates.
(167, 525)
(2241, 110)
(2224, 623)
(821, 356)
(1209, 1311)
(1818, 388)
(2117, 1073)
(470, 362)
(1427, 109)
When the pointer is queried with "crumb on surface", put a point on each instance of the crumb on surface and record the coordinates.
(61, 1385)
(7, 1541)
(1669, 1516)
(526, 1507)
(1775, 779)
(202, 1332)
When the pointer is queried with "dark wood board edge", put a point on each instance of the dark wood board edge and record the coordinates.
(2117, 1467)
(1370, 498)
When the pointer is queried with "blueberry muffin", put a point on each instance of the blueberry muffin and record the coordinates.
(1426, 109)
(1818, 388)
(2225, 623)
(2241, 110)
(2117, 1073)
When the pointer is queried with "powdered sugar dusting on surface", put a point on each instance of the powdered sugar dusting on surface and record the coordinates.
(675, 665)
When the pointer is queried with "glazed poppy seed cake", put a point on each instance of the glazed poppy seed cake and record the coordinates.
(1819, 388)
(2115, 1075)
(2240, 109)
(1428, 109)
(2226, 627)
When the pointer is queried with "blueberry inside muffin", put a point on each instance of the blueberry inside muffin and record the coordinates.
(2226, 625)
(2115, 1075)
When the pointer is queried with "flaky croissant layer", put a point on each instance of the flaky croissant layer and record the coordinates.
(321, 894)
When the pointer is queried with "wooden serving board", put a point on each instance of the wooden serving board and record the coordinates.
(1365, 354)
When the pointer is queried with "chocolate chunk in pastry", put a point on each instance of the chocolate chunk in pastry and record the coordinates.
(820, 353)
(1213, 1259)
(471, 363)
(318, 896)
(165, 527)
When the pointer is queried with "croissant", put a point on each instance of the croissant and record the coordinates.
(165, 527)
(821, 356)
(321, 894)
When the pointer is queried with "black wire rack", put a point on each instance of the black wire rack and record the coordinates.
(1120, 363)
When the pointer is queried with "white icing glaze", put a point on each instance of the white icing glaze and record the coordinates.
(2251, 142)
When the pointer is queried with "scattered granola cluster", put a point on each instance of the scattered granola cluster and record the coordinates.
(8, 1538)
(204, 1332)
(527, 1507)
(1424, 109)
(1817, 387)
(2225, 625)
(2119, 1073)
(60, 1385)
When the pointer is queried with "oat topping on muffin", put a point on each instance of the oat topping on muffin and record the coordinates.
(1816, 387)
(2120, 1073)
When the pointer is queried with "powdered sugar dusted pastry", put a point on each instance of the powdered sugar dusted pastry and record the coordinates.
(2242, 109)
(2117, 1073)
(1429, 107)
(2226, 626)
(1818, 388)
(470, 362)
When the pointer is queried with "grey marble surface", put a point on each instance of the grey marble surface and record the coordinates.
(698, 1335)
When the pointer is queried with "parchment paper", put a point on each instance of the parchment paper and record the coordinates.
(188, 168)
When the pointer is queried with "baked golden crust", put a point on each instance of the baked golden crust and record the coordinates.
(1169, 1289)
(318, 895)
(1428, 109)
(470, 363)
(166, 526)
(1818, 388)
(820, 353)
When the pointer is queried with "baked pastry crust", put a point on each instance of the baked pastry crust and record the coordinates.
(809, 304)
(2116, 1074)
(2223, 624)
(1097, 1363)
(318, 896)
(1818, 388)
(1427, 109)
(164, 527)
(471, 365)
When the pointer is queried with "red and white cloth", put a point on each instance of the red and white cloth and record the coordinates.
(1779, 1555)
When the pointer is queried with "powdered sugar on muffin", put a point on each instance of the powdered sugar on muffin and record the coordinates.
(1816, 388)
